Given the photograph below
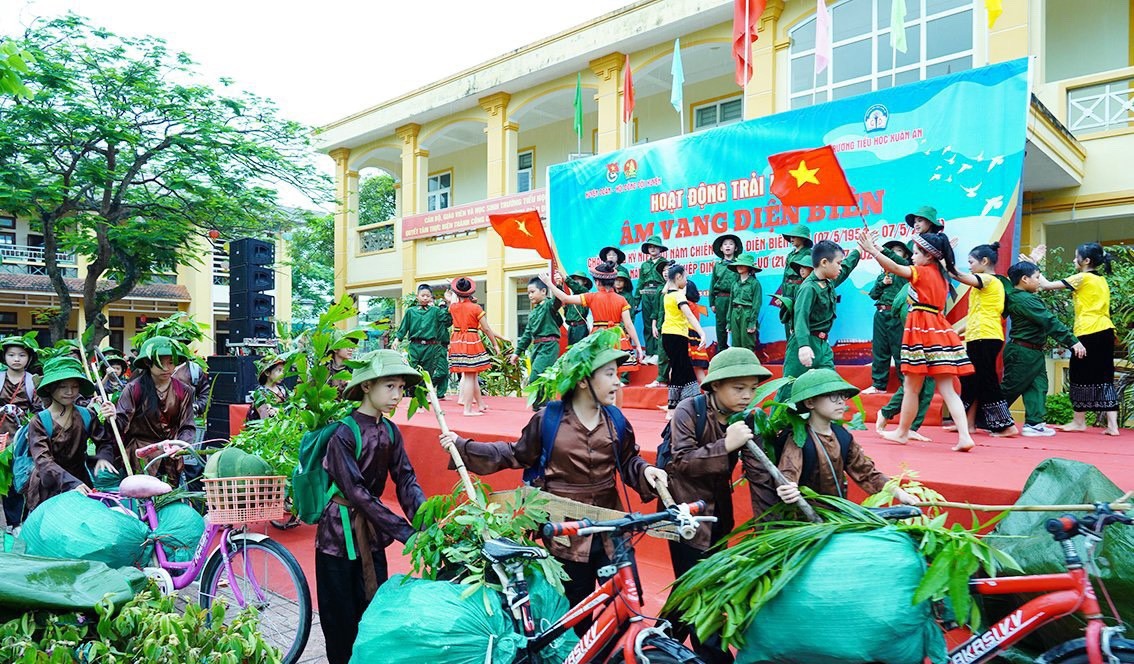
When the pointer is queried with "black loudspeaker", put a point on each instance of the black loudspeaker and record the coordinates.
(234, 376)
(247, 251)
(250, 278)
(250, 328)
(250, 305)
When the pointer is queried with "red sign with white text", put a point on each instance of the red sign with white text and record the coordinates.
(471, 216)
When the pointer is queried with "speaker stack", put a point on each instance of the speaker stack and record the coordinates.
(234, 377)
(250, 309)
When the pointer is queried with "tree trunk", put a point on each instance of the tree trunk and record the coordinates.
(57, 326)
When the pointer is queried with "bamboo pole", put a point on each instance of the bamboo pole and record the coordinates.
(780, 480)
(435, 406)
(666, 497)
(1118, 506)
(113, 420)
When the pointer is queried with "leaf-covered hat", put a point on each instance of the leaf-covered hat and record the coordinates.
(60, 369)
(378, 364)
(800, 231)
(578, 363)
(156, 347)
(734, 362)
(580, 278)
(654, 240)
(266, 364)
(114, 356)
(621, 254)
(744, 260)
(179, 327)
(720, 240)
(926, 212)
(27, 342)
(817, 382)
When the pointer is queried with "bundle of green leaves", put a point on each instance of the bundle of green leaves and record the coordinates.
(180, 326)
(724, 593)
(451, 529)
(573, 366)
(148, 628)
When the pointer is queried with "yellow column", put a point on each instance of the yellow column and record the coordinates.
(283, 280)
(608, 68)
(760, 94)
(197, 278)
(415, 173)
(1008, 39)
(342, 195)
(501, 136)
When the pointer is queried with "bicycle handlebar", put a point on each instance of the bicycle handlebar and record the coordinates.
(1069, 525)
(632, 522)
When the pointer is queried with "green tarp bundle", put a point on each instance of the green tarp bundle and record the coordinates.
(29, 582)
(179, 531)
(1022, 536)
(73, 526)
(414, 620)
(852, 603)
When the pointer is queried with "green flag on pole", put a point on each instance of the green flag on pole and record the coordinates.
(579, 106)
(898, 25)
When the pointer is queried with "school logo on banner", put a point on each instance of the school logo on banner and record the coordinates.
(877, 118)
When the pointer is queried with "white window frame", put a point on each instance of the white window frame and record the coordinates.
(530, 170)
(433, 198)
(879, 71)
(718, 103)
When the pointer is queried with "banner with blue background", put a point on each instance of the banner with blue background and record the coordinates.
(954, 142)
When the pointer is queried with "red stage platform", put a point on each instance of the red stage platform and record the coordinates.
(994, 472)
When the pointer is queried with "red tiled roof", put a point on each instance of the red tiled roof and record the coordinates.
(35, 283)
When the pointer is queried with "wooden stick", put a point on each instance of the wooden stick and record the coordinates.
(665, 496)
(1116, 506)
(113, 420)
(435, 406)
(780, 480)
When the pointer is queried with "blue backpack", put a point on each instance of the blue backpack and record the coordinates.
(22, 463)
(549, 427)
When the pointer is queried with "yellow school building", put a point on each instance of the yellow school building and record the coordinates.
(482, 139)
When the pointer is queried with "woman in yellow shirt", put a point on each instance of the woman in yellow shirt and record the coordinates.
(984, 339)
(1092, 376)
(678, 320)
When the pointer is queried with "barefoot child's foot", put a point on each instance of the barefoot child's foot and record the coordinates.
(872, 390)
(920, 438)
(880, 423)
(950, 427)
(1110, 432)
(1071, 426)
(472, 413)
(964, 445)
(895, 436)
(1010, 432)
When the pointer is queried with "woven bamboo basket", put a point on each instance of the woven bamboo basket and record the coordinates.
(234, 500)
(565, 509)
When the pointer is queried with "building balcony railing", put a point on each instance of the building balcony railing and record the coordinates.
(22, 253)
(1102, 102)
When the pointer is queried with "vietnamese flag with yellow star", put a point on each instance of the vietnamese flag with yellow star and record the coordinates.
(810, 177)
(522, 230)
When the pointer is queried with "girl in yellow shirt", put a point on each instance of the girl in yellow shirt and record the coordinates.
(678, 320)
(984, 338)
(1092, 376)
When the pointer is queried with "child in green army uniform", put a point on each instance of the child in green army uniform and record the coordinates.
(745, 297)
(1025, 371)
(624, 286)
(814, 309)
(575, 315)
(726, 247)
(650, 282)
(541, 333)
(427, 328)
(800, 265)
(612, 255)
(887, 343)
(800, 238)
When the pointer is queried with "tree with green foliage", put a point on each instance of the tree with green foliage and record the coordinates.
(375, 199)
(123, 155)
(14, 66)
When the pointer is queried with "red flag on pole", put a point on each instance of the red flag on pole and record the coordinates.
(522, 230)
(627, 92)
(745, 20)
(810, 177)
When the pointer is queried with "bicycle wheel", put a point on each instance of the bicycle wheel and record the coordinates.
(269, 579)
(1075, 652)
(662, 651)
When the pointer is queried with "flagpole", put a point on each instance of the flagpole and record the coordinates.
(747, 58)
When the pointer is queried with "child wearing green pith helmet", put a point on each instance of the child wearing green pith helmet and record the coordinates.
(705, 449)
(272, 393)
(541, 333)
(800, 238)
(61, 457)
(18, 402)
(828, 456)
(727, 247)
(886, 346)
(650, 283)
(575, 315)
(745, 297)
(356, 527)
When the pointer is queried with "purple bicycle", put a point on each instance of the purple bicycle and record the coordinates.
(240, 569)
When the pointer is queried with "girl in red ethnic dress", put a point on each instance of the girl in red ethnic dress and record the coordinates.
(607, 309)
(467, 354)
(930, 346)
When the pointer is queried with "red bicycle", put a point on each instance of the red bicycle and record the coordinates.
(1064, 594)
(620, 632)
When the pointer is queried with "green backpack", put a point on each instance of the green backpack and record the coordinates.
(311, 486)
